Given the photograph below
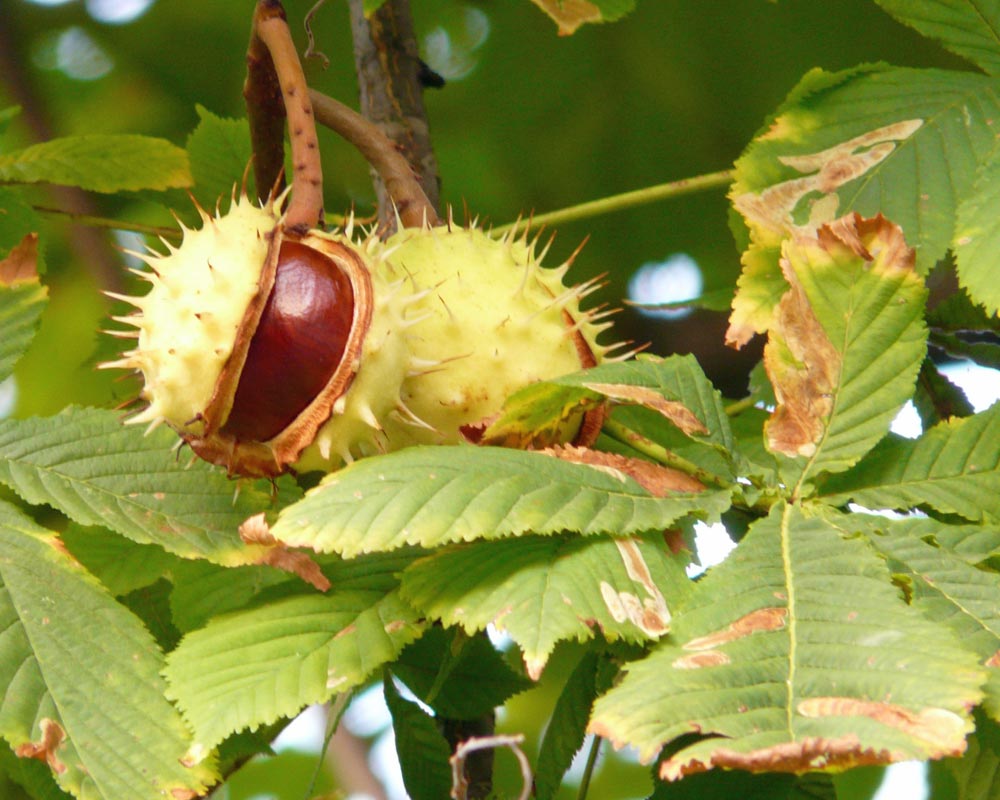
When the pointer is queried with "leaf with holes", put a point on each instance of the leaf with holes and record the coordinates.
(796, 654)
(80, 679)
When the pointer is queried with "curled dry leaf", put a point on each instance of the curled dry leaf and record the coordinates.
(21, 263)
(570, 14)
(658, 480)
(674, 411)
(255, 531)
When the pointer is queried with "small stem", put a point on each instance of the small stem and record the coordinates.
(381, 152)
(305, 210)
(588, 770)
(739, 406)
(624, 201)
(659, 453)
(110, 224)
(335, 712)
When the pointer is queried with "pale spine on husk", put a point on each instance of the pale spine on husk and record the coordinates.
(459, 321)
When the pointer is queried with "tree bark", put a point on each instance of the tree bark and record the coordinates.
(388, 67)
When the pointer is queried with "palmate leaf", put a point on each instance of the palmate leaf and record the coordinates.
(845, 346)
(95, 470)
(795, 654)
(969, 28)
(80, 681)
(877, 139)
(260, 664)
(429, 496)
(954, 468)
(546, 589)
(100, 163)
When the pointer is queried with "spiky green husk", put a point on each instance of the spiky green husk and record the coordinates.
(477, 318)
(458, 321)
(188, 320)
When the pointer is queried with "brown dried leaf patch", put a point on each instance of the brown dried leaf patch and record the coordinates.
(673, 410)
(656, 479)
(806, 755)
(570, 14)
(53, 735)
(706, 658)
(771, 618)
(256, 531)
(649, 614)
(21, 263)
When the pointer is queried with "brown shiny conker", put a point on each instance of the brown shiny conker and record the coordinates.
(298, 344)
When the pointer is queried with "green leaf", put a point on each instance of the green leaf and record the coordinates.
(119, 563)
(877, 139)
(543, 590)
(977, 235)
(21, 307)
(966, 27)
(80, 678)
(429, 496)
(954, 468)
(6, 115)
(17, 218)
(100, 163)
(422, 750)
(258, 665)
(220, 151)
(567, 728)
(203, 590)
(796, 653)
(33, 775)
(946, 588)
(467, 676)
(95, 470)
(846, 344)
(977, 773)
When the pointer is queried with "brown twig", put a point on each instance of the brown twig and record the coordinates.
(459, 787)
(272, 61)
(380, 151)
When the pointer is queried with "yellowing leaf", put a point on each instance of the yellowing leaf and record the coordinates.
(569, 14)
(845, 344)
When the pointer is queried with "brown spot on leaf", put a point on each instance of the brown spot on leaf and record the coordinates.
(650, 614)
(183, 794)
(763, 619)
(676, 412)
(942, 730)
(772, 210)
(706, 658)
(658, 480)
(806, 755)
(45, 749)
(255, 531)
(21, 263)
(570, 14)
(993, 660)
